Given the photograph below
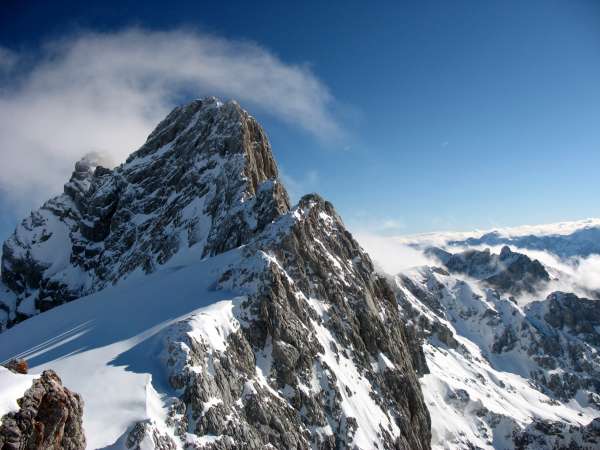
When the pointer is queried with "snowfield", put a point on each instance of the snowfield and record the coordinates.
(107, 346)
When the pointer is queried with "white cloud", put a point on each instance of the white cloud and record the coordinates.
(578, 274)
(389, 254)
(105, 92)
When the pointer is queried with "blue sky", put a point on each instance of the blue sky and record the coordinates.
(447, 115)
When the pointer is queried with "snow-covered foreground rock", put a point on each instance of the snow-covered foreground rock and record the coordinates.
(191, 307)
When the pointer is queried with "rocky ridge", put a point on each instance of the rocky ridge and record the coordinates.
(311, 353)
(319, 358)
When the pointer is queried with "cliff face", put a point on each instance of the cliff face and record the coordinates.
(308, 351)
(320, 357)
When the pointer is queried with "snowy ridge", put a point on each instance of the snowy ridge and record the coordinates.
(100, 344)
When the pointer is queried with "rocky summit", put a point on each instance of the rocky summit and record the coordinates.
(192, 307)
(49, 418)
(204, 178)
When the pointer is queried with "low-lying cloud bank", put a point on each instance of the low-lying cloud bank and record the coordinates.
(389, 255)
(579, 274)
(104, 92)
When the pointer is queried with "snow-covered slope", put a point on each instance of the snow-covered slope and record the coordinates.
(83, 341)
(13, 387)
(498, 371)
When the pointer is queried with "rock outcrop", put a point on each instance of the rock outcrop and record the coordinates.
(509, 272)
(49, 418)
(556, 435)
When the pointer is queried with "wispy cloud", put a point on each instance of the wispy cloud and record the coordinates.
(580, 275)
(105, 92)
(361, 221)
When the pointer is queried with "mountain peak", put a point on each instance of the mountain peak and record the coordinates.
(205, 178)
(272, 326)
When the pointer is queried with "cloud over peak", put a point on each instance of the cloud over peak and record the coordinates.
(104, 92)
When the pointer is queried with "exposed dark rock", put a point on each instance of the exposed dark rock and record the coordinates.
(49, 418)
(317, 282)
(543, 434)
(17, 366)
(147, 430)
(509, 272)
(563, 336)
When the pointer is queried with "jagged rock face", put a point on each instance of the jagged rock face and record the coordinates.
(565, 342)
(559, 335)
(319, 357)
(206, 176)
(509, 272)
(49, 418)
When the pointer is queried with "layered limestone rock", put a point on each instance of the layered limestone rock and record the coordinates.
(206, 175)
(49, 418)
